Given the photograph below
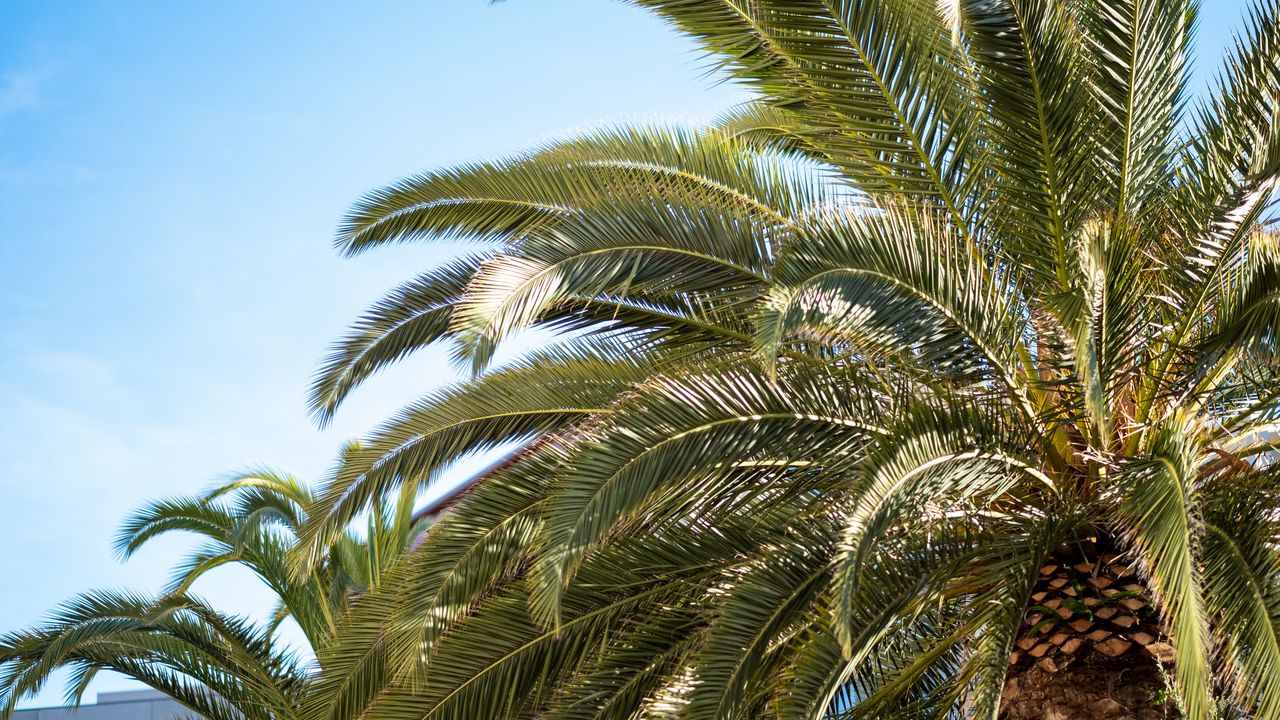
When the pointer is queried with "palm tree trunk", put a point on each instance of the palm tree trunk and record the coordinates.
(1128, 687)
(1092, 647)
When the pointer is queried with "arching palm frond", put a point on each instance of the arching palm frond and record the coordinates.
(943, 369)
(221, 667)
(938, 381)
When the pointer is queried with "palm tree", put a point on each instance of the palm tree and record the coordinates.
(220, 666)
(939, 382)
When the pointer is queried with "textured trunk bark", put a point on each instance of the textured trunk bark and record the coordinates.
(1096, 687)
(1092, 646)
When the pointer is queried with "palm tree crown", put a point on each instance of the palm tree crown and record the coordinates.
(943, 370)
(220, 666)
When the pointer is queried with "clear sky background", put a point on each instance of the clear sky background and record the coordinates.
(170, 178)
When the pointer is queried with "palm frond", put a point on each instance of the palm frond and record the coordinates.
(1159, 507)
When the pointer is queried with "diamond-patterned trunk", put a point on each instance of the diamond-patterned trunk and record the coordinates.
(1092, 647)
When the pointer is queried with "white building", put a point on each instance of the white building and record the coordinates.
(128, 705)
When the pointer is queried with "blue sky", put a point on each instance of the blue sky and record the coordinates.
(170, 177)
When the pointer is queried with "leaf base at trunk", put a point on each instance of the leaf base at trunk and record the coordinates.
(1097, 687)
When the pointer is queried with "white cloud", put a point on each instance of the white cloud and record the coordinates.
(20, 90)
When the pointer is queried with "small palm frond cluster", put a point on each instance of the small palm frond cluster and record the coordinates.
(219, 666)
(846, 383)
